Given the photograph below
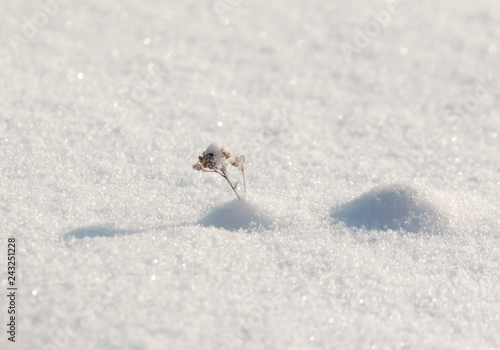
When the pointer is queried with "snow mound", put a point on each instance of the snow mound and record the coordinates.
(237, 214)
(399, 206)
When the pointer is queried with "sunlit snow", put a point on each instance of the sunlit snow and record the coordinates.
(371, 132)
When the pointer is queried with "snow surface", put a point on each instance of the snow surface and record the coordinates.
(374, 174)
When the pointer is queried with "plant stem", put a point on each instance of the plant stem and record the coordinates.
(244, 178)
(226, 176)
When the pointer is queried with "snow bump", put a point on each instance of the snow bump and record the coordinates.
(237, 214)
(399, 206)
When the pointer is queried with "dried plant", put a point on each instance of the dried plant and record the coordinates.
(215, 160)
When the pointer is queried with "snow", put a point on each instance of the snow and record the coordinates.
(397, 206)
(238, 214)
(372, 220)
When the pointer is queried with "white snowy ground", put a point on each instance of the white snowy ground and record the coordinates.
(374, 174)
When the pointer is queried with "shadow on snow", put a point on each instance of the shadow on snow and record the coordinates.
(99, 231)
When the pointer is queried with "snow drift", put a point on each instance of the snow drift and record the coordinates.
(399, 206)
(237, 214)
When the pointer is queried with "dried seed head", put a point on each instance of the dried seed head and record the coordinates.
(214, 157)
(208, 161)
(239, 161)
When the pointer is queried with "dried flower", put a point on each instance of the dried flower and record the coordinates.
(215, 158)
(239, 162)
